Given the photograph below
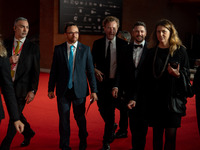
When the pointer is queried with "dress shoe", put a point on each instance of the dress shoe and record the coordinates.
(112, 138)
(27, 139)
(121, 134)
(106, 146)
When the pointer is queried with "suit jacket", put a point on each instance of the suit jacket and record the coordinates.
(28, 69)
(128, 76)
(6, 85)
(83, 70)
(98, 52)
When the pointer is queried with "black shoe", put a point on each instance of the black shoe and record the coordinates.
(121, 134)
(106, 146)
(83, 145)
(27, 139)
(112, 138)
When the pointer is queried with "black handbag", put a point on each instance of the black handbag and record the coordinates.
(177, 105)
(189, 91)
(181, 89)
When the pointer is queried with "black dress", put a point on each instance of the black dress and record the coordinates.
(158, 90)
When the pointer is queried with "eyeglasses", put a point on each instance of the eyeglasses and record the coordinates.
(71, 33)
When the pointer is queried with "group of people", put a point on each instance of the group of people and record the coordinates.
(134, 76)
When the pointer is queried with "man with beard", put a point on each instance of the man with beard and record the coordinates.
(132, 57)
(71, 68)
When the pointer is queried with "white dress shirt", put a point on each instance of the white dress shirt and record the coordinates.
(137, 53)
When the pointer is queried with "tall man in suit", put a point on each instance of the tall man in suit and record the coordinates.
(133, 57)
(6, 88)
(71, 67)
(105, 57)
(25, 69)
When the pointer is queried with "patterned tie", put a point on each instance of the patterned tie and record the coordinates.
(17, 48)
(70, 66)
(13, 65)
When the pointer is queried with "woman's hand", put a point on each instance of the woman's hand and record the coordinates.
(174, 72)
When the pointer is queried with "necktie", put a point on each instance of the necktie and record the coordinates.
(136, 46)
(107, 71)
(70, 66)
(13, 65)
(17, 48)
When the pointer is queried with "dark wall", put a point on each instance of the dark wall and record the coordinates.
(10, 10)
(43, 19)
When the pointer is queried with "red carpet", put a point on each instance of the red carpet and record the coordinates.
(43, 117)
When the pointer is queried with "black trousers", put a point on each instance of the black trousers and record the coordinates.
(139, 128)
(64, 104)
(11, 128)
(121, 104)
(106, 107)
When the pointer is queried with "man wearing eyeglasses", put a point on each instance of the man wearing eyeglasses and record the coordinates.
(72, 66)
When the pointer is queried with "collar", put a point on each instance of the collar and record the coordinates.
(22, 40)
(142, 43)
(112, 41)
(75, 45)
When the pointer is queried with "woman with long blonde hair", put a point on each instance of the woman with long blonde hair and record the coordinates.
(166, 67)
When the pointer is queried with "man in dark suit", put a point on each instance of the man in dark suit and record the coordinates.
(6, 88)
(105, 57)
(131, 63)
(121, 102)
(72, 66)
(25, 68)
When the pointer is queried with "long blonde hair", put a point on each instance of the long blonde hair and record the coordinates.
(3, 52)
(174, 40)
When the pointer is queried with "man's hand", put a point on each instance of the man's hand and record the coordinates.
(131, 104)
(51, 95)
(115, 92)
(94, 96)
(99, 75)
(19, 126)
(14, 59)
(30, 96)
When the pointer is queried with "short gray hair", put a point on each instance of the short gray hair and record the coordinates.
(20, 18)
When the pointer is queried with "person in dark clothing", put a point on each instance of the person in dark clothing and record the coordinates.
(166, 63)
(105, 53)
(133, 57)
(24, 57)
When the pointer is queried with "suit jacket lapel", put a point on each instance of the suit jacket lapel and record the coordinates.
(142, 56)
(65, 52)
(130, 55)
(79, 51)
